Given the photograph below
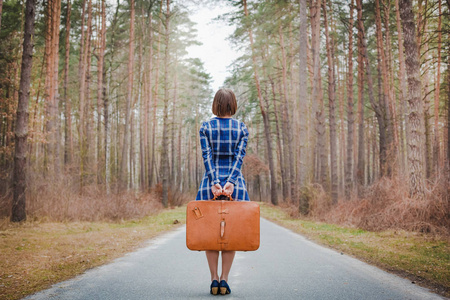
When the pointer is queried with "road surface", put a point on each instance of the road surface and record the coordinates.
(287, 266)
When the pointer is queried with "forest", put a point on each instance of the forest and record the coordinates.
(347, 105)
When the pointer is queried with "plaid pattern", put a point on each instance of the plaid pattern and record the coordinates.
(223, 142)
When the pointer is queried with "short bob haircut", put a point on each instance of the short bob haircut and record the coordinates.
(224, 103)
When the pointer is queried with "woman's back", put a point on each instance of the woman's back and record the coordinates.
(223, 142)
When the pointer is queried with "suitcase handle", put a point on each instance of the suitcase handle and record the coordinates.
(229, 196)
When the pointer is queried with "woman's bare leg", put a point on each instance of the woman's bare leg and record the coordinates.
(227, 261)
(213, 262)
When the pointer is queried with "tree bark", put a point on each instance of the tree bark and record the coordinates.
(361, 164)
(126, 137)
(1, 9)
(332, 108)
(401, 73)
(149, 102)
(100, 66)
(375, 106)
(287, 126)
(68, 146)
(386, 102)
(21, 130)
(303, 94)
(350, 116)
(273, 183)
(173, 173)
(164, 154)
(436, 156)
(88, 165)
(155, 100)
(55, 102)
(415, 105)
(317, 97)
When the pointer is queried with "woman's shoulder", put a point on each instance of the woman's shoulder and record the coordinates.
(215, 122)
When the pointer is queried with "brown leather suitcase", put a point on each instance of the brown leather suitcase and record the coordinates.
(222, 225)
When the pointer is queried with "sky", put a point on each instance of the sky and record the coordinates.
(215, 52)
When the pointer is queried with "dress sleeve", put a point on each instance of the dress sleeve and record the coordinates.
(207, 155)
(239, 154)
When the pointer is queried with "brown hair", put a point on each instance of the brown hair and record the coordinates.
(224, 103)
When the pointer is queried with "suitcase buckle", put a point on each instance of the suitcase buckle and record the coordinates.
(198, 213)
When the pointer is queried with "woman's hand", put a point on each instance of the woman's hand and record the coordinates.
(217, 189)
(228, 189)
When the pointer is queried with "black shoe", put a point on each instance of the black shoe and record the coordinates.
(224, 288)
(214, 287)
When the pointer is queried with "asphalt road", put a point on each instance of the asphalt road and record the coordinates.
(287, 266)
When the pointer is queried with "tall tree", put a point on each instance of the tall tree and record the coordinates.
(415, 105)
(21, 130)
(1, 8)
(165, 155)
(402, 69)
(292, 186)
(302, 88)
(437, 91)
(67, 103)
(350, 117)
(100, 66)
(376, 107)
(303, 100)
(129, 99)
(273, 183)
(332, 107)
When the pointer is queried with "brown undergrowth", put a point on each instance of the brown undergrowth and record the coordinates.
(384, 205)
(60, 200)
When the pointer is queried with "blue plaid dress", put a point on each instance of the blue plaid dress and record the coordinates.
(223, 142)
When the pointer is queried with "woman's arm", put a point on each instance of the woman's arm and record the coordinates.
(208, 156)
(239, 154)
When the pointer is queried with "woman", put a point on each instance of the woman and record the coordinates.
(223, 140)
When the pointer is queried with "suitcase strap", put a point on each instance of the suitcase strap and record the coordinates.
(222, 228)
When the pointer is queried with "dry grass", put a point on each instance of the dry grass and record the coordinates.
(61, 200)
(386, 205)
(34, 255)
(423, 258)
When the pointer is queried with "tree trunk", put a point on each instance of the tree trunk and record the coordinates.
(1, 8)
(415, 105)
(173, 174)
(100, 62)
(386, 103)
(317, 98)
(67, 102)
(155, 100)
(21, 130)
(55, 103)
(303, 94)
(375, 106)
(292, 186)
(149, 103)
(164, 153)
(350, 117)
(401, 73)
(436, 156)
(48, 91)
(360, 167)
(88, 165)
(332, 108)
(126, 137)
(273, 183)
(279, 147)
